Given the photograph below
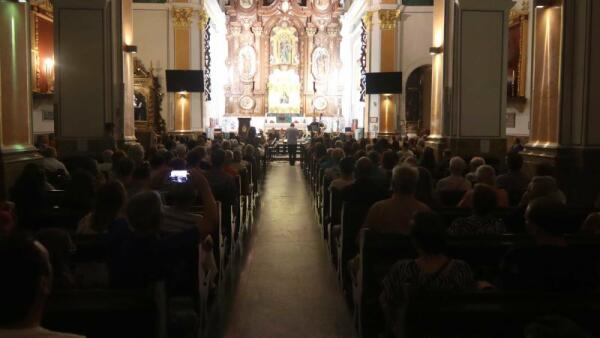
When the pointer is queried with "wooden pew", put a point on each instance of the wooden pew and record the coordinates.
(379, 252)
(494, 314)
(108, 313)
(352, 219)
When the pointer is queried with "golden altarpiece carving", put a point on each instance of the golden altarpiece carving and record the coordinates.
(284, 58)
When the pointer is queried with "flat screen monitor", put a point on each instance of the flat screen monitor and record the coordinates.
(185, 81)
(384, 83)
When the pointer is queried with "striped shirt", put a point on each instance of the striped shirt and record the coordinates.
(454, 277)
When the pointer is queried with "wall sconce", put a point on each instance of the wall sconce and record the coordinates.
(436, 50)
(130, 49)
(182, 95)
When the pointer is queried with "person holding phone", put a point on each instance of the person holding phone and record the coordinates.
(140, 253)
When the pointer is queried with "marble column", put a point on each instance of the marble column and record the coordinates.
(16, 148)
(469, 76)
(565, 109)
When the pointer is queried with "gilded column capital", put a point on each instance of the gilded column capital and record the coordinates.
(202, 18)
(182, 17)
(368, 20)
(387, 18)
(311, 31)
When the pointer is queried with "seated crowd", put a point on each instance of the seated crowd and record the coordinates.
(405, 192)
(149, 227)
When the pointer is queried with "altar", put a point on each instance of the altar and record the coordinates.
(285, 126)
(283, 60)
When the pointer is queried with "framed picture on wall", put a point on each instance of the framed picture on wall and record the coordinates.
(47, 115)
(511, 120)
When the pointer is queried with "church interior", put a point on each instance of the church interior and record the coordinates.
(299, 168)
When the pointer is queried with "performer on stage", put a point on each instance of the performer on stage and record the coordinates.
(292, 143)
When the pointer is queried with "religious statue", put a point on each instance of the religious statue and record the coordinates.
(247, 63)
(320, 63)
(285, 99)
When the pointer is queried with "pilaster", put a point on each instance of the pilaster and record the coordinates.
(91, 77)
(469, 76)
(565, 110)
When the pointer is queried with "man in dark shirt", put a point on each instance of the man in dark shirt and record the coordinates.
(515, 181)
(551, 265)
(364, 189)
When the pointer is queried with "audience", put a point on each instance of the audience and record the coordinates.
(486, 175)
(150, 229)
(475, 163)
(24, 288)
(456, 181)
(60, 248)
(431, 271)
(364, 189)
(551, 265)
(482, 221)
(221, 183)
(51, 163)
(29, 196)
(514, 181)
(393, 215)
(346, 175)
(109, 210)
(140, 255)
(107, 162)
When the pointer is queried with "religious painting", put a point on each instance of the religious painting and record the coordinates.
(284, 45)
(320, 63)
(246, 3)
(247, 63)
(284, 92)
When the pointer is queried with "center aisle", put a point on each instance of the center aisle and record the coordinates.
(287, 287)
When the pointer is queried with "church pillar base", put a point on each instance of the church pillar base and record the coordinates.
(577, 170)
(468, 147)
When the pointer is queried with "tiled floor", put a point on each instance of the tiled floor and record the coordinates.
(287, 287)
